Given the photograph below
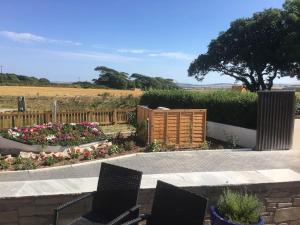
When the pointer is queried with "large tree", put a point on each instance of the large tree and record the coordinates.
(255, 50)
(120, 80)
(111, 78)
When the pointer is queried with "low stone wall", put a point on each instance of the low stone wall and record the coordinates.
(281, 200)
(281, 204)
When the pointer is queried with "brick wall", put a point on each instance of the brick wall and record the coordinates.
(281, 204)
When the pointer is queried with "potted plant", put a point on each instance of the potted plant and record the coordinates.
(235, 208)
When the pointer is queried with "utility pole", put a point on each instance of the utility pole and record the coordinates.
(1, 68)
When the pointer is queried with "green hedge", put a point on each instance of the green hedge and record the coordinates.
(228, 107)
(298, 107)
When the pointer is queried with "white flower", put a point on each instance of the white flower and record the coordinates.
(73, 124)
(50, 137)
(13, 133)
(95, 123)
(95, 129)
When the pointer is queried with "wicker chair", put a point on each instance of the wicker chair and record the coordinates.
(115, 200)
(174, 206)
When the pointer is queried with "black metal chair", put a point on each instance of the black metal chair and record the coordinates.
(115, 200)
(174, 206)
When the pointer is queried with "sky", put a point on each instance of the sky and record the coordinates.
(64, 40)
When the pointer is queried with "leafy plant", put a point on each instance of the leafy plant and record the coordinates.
(298, 106)
(205, 145)
(153, 147)
(49, 161)
(241, 208)
(129, 145)
(24, 164)
(114, 149)
(132, 119)
(3, 164)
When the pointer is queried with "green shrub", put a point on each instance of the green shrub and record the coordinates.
(229, 107)
(153, 147)
(3, 164)
(205, 145)
(132, 119)
(50, 161)
(129, 145)
(298, 107)
(241, 208)
(114, 149)
(24, 164)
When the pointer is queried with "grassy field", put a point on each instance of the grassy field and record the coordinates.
(42, 98)
(61, 91)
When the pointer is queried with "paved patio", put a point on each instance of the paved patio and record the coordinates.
(172, 162)
(175, 162)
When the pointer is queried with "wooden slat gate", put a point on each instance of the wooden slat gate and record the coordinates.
(275, 120)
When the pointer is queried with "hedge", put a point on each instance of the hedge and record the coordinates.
(228, 107)
(298, 107)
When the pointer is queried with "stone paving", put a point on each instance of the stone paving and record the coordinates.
(172, 162)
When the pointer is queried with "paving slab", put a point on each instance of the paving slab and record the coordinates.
(194, 179)
(171, 162)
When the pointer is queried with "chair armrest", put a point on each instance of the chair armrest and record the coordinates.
(59, 208)
(137, 220)
(124, 215)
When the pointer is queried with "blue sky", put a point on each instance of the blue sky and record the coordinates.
(64, 40)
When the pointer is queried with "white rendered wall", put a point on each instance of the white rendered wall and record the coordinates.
(241, 136)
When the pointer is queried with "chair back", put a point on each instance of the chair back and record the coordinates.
(117, 190)
(175, 206)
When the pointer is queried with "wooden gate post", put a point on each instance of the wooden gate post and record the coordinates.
(54, 112)
(21, 104)
(115, 117)
(275, 120)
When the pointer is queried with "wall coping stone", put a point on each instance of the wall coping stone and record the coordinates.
(16, 189)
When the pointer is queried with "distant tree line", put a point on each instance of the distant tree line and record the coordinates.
(108, 78)
(120, 80)
(14, 79)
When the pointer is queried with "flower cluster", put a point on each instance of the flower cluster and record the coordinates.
(57, 134)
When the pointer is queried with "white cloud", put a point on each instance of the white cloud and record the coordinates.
(28, 37)
(153, 53)
(98, 56)
(172, 55)
(134, 51)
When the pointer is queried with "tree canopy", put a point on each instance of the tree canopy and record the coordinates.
(14, 79)
(255, 50)
(120, 80)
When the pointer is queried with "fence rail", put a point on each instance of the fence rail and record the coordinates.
(103, 117)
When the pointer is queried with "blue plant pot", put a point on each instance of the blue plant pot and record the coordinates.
(216, 219)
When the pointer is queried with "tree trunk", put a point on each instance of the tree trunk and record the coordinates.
(261, 83)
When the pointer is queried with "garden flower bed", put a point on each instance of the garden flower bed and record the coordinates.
(57, 134)
(72, 155)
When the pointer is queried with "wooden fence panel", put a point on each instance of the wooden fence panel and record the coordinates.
(103, 117)
(180, 127)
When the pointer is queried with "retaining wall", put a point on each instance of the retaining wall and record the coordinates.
(237, 135)
(281, 200)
